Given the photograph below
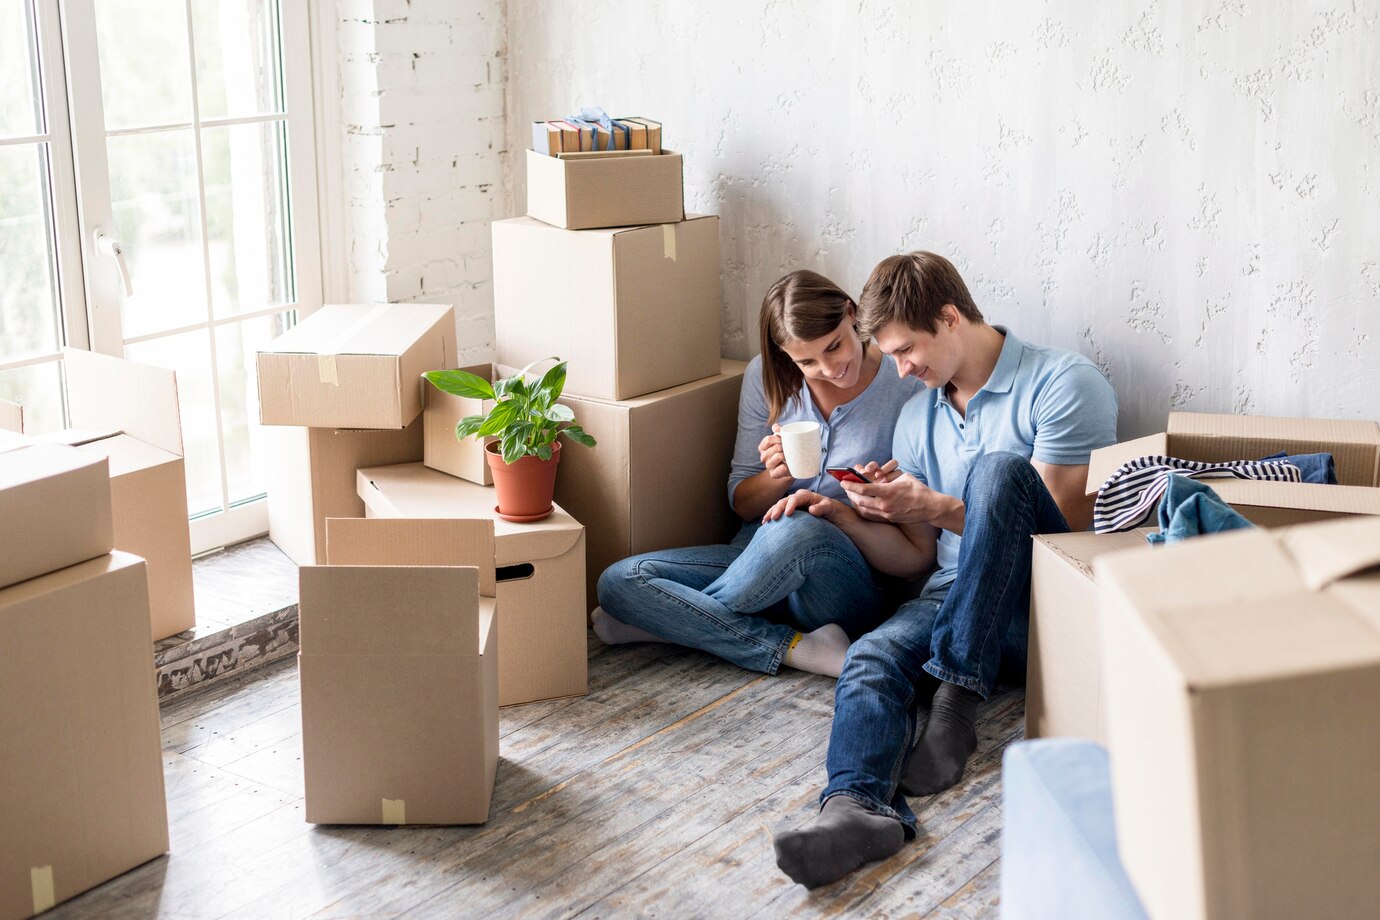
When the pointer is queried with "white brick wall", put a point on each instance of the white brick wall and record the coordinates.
(422, 105)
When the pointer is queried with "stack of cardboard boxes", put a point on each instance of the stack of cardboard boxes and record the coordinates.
(81, 759)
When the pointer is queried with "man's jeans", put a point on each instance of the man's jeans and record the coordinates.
(960, 633)
(746, 601)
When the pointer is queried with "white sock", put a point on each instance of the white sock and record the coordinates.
(613, 631)
(820, 652)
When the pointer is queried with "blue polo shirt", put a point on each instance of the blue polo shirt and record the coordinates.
(1046, 404)
(860, 430)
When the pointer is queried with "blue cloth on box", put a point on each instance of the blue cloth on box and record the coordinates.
(1316, 468)
(1191, 508)
(1058, 841)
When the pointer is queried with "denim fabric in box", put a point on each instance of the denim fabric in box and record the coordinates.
(1058, 841)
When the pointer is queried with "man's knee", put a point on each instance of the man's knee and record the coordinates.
(997, 473)
(879, 656)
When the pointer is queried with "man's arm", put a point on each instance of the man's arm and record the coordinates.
(1068, 487)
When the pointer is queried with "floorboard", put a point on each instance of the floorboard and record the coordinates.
(655, 795)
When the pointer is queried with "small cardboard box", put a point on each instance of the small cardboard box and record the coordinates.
(81, 758)
(633, 310)
(440, 413)
(399, 674)
(1242, 686)
(1063, 682)
(585, 192)
(311, 477)
(1354, 445)
(128, 413)
(354, 366)
(541, 577)
(658, 476)
(57, 501)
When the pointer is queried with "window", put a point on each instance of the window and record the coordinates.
(180, 131)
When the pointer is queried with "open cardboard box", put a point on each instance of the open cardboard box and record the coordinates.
(354, 366)
(633, 309)
(585, 192)
(1243, 715)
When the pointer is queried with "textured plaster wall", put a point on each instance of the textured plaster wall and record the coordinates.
(1188, 193)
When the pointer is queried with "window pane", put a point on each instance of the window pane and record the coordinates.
(236, 57)
(145, 71)
(247, 216)
(20, 114)
(190, 355)
(28, 290)
(38, 388)
(236, 346)
(154, 199)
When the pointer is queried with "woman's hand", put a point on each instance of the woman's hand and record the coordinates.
(773, 455)
(805, 500)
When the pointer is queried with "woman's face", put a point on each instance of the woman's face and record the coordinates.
(835, 358)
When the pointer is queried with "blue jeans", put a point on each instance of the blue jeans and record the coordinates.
(961, 633)
(745, 601)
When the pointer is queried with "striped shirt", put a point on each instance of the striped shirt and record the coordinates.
(1133, 492)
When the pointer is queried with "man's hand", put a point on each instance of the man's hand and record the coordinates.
(804, 500)
(773, 456)
(899, 498)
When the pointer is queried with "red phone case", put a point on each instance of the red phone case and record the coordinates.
(842, 473)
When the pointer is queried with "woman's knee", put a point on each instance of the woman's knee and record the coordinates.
(798, 532)
(622, 576)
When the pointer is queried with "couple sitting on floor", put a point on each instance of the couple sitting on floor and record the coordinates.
(970, 441)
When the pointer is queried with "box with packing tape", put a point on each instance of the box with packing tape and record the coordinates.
(354, 366)
(1242, 678)
(633, 310)
(540, 576)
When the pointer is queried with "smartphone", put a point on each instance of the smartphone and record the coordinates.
(844, 474)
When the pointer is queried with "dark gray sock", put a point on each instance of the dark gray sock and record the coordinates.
(948, 740)
(842, 837)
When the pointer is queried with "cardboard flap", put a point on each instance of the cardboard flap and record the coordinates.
(488, 625)
(1331, 551)
(1302, 496)
(138, 399)
(1105, 460)
(359, 329)
(1213, 569)
(77, 437)
(11, 416)
(389, 611)
(128, 455)
(399, 541)
(1354, 445)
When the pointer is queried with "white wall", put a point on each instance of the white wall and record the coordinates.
(1188, 193)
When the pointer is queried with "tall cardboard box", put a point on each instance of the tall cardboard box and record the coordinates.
(1243, 713)
(128, 413)
(441, 412)
(399, 674)
(56, 501)
(578, 193)
(310, 475)
(1354, 445)
(658, 476)
(540, 577)
(632, 309)
(354, 366)
(81, 761)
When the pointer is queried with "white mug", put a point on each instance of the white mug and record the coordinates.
(800, 444)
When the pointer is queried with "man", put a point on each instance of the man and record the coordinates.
(995, 450)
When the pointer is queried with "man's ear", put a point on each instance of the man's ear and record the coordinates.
(951, 316)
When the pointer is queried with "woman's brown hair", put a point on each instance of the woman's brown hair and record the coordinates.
(800, 307)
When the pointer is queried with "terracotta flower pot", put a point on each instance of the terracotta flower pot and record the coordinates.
(524, 488)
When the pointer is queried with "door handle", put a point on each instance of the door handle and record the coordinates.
(109, 246)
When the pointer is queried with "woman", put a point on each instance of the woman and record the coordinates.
(754, 601)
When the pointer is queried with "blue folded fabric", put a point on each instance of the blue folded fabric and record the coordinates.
(1058, 840)
(1316, 468)
(1190, 508)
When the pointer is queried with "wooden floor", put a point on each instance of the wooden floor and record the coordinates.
(653, 796)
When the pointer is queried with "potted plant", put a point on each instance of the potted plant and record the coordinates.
(527, 421)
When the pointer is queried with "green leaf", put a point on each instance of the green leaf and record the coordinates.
(517, 387)
(559, 413)
(499, 419)
(554, 380)
(511, 446)
(577, 434)
(461, 383)
(467, 426)
(544, 452)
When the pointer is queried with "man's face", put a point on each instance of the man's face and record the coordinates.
(930, 357)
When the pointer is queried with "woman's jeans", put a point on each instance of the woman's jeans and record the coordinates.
(962, 633)
(745, 601)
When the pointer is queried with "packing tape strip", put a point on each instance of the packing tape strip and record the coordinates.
(668, 241)
(325, 370)
(394, 811)
(41, 883)
(325, 361)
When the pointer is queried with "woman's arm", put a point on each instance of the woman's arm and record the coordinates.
(904, 551)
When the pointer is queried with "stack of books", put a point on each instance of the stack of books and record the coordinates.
(626, 136)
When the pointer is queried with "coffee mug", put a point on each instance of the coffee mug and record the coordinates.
(800, 444)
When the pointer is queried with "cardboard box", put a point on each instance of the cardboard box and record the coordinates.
(354, 366)
(399, 674)
(541, 576)
(1243, 674)
(658, 477)
(128, 413)
(11, 416)
(633, 310)
(57, 501)
(440, 413)
(585, 192)
(1354, 445)
(311, 477)
(82, 795)
(1063, 681)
